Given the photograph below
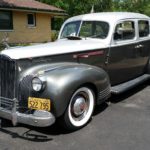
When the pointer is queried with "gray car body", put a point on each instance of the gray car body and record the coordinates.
(62, 79)
(97, 64)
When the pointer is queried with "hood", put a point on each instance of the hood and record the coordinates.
(53, 48)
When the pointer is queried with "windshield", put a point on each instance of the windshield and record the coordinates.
(70, 29)
(89, 29)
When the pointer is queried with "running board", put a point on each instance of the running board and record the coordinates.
(118, 89)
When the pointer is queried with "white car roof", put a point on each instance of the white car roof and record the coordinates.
(108, 16)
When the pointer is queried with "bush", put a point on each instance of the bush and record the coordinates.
(54, 35)
(1, 47)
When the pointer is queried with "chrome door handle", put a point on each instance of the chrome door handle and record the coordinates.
(139, 46)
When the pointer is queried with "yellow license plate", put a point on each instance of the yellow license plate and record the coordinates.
(39, 103)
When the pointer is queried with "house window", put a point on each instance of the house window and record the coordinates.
(52, 23)
(6, 20)
(31, 20)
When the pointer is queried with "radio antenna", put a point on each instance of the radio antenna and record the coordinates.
(92, 10)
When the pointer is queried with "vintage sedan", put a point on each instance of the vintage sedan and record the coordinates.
(96, 55)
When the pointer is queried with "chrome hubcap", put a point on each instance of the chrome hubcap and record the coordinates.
(79, 106)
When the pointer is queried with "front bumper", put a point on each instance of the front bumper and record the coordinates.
(38, 118)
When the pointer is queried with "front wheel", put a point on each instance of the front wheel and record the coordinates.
(80, 109)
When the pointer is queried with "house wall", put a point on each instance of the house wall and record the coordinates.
(22, 33)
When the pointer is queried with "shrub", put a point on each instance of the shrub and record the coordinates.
(2, 47)
(54, 35)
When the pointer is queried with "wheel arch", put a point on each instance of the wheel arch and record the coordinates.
(93, 87)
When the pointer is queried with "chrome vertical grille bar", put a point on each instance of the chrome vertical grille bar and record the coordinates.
(7, 79)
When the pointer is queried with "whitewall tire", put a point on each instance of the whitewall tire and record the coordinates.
(80, 108)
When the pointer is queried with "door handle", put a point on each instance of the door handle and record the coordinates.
(139, 46)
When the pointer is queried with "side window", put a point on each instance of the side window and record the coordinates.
(94, 29)
(143, 28)
(86, 30)
(70, 29)
(124, 31)
(6, 20)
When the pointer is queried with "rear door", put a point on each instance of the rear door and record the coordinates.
(143, 47)
(123, 60)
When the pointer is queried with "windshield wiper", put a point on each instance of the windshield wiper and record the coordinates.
(74, 38)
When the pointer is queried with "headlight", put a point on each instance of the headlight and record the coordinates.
(37, 84)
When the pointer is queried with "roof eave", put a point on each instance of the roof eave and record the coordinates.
(52, 12)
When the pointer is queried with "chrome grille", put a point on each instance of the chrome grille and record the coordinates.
(7, 103)
(7, 80)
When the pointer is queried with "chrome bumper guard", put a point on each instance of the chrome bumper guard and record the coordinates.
(39, 118)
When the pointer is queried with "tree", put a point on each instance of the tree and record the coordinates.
(76, 7)
(140, 6)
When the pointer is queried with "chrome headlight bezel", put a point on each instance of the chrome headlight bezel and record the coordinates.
(37, 84)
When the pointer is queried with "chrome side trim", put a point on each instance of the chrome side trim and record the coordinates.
(104, 93)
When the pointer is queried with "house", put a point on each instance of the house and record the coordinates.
(27, 21)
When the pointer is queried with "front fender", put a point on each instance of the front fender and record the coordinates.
(63, 80)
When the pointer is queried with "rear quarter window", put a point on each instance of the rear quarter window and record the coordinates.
(125, 31)
(144, 30)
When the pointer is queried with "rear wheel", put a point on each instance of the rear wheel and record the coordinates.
(80, 109)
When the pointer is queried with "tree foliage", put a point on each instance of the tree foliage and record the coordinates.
(141, 6)
(76, 7)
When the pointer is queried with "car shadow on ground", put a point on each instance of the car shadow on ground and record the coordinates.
(30, 133)
(27, 136)
(45, 134)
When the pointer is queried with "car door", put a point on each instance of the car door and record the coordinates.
(123, 59)
(143, 46)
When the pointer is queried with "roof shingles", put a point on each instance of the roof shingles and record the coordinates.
(28, 4)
